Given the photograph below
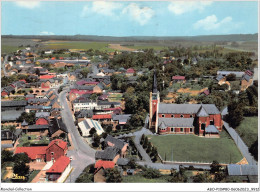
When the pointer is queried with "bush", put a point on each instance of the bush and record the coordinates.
(6, 156)
(150, 173)
(87, 175)
(113, 176)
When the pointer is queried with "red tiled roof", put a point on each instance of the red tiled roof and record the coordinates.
(83, 82)
(60, 165)
(206, 92)
(130, 70)
(47, 76)
(32, 152)
(23, 80)
(112, 109)
(248, 72)
(102, 116)
(178, 78)
(59, 142)
(104, 164)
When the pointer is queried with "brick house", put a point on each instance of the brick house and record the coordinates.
(176, 79)
(56, 149)
(42, 121)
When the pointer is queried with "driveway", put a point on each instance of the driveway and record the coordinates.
(240, 144)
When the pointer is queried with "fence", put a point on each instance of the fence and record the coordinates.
(188, 162)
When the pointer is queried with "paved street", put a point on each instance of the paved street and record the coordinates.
(94, 69)
(240, 144)
(83, 154)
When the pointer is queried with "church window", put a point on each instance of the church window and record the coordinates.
(182, 116)
(190, 115)
(163, 115)
(172, 115)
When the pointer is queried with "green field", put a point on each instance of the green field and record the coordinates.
(197, 149)
(248, 130)
(140, 179)
(102, 46)
(8, 49)
(142, 47)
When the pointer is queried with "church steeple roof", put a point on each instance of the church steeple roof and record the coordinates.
(154, 82)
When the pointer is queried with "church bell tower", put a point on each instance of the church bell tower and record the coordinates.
(154, 103)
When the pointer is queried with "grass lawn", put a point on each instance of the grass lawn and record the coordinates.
(23, 141)
(140, 179)
(197, 149)
(248, 130)
(32, 175)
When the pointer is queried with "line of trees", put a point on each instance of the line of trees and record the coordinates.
(150, 149)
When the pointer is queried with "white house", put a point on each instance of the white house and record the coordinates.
(87, 124)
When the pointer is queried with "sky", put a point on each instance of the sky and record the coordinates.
(131, 18)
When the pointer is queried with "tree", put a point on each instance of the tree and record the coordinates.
(149, 147)
(28, 117)
(132, 163)
(150, 173)
(219, 176)
(113, 175)
(231, 77)
(21, 157)
(142, 139)
(178, 177)
(96, 139)
(202, 178)
(37, 72)
(21, 168)
(215, 167)
(235, 114)
(92, 131)
(145, 145)
(109, 128)
(84, 72)
(93, 96)
(154, 154)
(254, 149)
(87, 176)
(6, 156)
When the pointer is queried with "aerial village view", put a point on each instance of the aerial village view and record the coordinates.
(144, 92)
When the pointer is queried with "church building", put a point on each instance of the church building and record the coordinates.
(199, 119)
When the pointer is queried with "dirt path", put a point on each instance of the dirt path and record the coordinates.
(120, 48)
